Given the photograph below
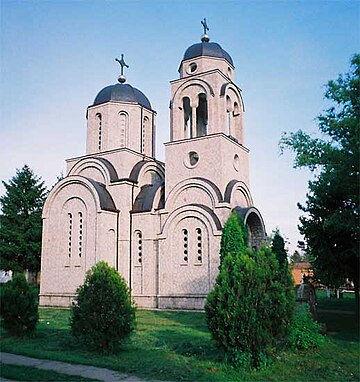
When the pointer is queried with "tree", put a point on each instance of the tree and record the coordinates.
(251, 305)
(104, 312)
(296, 257)
(21, 224)
(19, 306)
(331, 221)
(278, 248)
(234, 236)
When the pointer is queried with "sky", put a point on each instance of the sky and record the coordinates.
(57, 55)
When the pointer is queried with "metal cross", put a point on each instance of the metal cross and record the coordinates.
(206, 28)
(122, 64)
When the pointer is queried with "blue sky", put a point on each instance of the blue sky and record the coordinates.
(57, 55)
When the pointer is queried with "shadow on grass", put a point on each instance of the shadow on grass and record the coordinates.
(189, 345)
(340, 326)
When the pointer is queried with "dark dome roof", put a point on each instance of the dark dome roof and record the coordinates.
(122, 93)
(210, 49)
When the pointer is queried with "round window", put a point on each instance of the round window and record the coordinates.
(191, 159)
(192, 67)
(236, 162)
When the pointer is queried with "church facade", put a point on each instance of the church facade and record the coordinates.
(158, 224)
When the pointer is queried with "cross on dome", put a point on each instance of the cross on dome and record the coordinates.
(205, 37)
(122, 63)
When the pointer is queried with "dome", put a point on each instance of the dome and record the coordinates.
(122, 93)
(209, 49)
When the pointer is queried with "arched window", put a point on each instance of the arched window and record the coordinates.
(123, 122)
(199, 245)
(144, 134)
(187, 118)
(185, 246)
(138, 248)
(80, 234)
(99, 129)
(70, 233)
(201, 116)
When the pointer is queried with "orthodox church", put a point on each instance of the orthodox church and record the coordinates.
(158, 224)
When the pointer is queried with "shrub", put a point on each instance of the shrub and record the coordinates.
(103, 313)
(19, 306)
(250, 307)
(305, 332)
(234, 236)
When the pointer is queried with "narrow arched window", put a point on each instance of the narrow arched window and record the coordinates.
(81, 226)
(138, 248)
(228, 115)
(199, 248)
(70, 222)
(144, 134)
(201, 116)
(99, 129)
(124, 122)
(185, 246)
(187, 118)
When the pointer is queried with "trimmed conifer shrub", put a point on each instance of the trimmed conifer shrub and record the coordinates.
(234, 236)
(250, 308)
(103, 313)
(19, 306)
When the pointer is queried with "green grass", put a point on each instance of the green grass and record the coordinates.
(32, 374)
(176, 346)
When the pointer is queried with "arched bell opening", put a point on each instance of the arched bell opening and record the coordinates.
(187, 118)
(201, 116)
(228, 115)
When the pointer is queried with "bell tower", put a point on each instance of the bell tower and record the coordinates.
(206, 119)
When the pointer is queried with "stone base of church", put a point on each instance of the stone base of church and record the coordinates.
(147, 302)
(194, 302)
(54, 300)
(188, 302)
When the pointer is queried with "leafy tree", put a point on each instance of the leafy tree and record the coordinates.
(104, 312)
(21, 224)
(278, 248)
(234, 236)
(331, 221)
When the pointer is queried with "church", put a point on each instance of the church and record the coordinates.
(158, 224)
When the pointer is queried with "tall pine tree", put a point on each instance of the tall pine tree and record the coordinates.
(278, 248)
(21, 225)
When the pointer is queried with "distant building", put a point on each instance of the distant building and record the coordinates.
(299, 270)
(160, 229)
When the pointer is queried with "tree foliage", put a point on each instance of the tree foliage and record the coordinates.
(234, 236)
(297, 257)
(104, 312)
(21, 225)
(19, 306)
(278, 248)
(250, 307)
(331, 221)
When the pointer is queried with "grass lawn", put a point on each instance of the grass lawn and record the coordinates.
(176, 346)
(32, 374)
